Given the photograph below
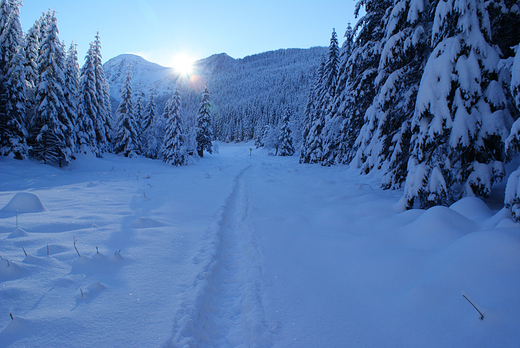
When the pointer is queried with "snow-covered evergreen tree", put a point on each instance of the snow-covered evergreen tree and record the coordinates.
(175, 149)
(311, 151)
(31, 49)
(126, 140)
(102, 122)
(71, 87)
(384, 140)
(362, 67)
(334, 148)
(86, 140)
(151, 127)
(51, 131)
(204, 125)
(460, 117)
(286, 141)
(13, 133)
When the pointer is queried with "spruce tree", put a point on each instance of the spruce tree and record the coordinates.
(334, 147)
(175, 147)
(71, 87)
(31, 48)
(13, 133)
(460, 114)
(204, 128)
(102, 122)
(51, 131)
(126, 140)
(362, 67)
(86, 138)
(151, 128)
(285, 139)
(384, 140)
(311, 151)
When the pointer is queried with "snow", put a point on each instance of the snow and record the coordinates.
(246, 249)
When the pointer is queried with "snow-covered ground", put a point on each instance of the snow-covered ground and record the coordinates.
(250, 251)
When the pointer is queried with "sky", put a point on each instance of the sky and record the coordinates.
(160, 30)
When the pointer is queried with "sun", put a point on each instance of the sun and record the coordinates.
(183, 64)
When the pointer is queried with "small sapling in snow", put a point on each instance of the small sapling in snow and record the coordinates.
(75, 240)
(467, 298)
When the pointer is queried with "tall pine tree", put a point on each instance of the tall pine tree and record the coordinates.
(204, 125)
(126, 140)
(460, 117)
(51, 131)
(175, 148)
(13, 133)
(285, 138)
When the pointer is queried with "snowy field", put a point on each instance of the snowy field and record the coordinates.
(245, 251)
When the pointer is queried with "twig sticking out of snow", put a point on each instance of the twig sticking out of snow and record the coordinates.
(479, 312)
(82, 294)
(25, 252)
(17, 217)
(75, 240)
(97, 249)
(11, 315)
(118, 252)
(48, 251)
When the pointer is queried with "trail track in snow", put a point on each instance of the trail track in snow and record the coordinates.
(228, 310)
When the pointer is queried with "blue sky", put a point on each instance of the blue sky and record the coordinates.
(158, 30)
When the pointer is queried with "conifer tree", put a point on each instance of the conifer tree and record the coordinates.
(285, 139)
(139, 114)
(71, 87)
(126, 140)
(311, 151)
(204, 129)
(175, 147)
(359, 91)
(13, 133)
(334, 148)
(460, 114)
(102, 122)
(152, 128)
(31, 49)
(16, 131)
(51, 129)
(384, 140)
(87, 107)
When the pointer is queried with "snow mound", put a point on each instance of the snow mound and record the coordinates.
(24, 202)
(17, 233)
(438, 227)
(472, 208)
(92, 291)
(146, 223)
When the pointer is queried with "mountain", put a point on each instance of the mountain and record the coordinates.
(247, 93)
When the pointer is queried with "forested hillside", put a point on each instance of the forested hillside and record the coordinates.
(247, 94)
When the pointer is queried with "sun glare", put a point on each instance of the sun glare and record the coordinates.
(183, 64)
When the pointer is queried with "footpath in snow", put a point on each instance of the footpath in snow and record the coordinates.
(242, 249)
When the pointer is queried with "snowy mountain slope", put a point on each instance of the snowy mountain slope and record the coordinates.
(245, 249)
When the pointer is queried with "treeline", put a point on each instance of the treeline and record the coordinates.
(428, 92)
